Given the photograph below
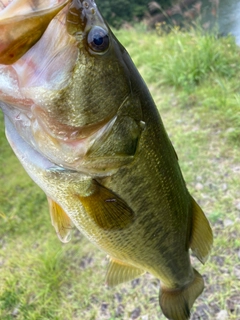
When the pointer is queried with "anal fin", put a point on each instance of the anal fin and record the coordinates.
(201, 235)
(60, 221)
(119, 272)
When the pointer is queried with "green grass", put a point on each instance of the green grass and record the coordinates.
(200, 70)
(194, 79)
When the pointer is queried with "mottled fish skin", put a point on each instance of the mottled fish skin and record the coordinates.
(90, 136)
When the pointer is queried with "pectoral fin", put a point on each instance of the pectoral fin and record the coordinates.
(201, 235)
(106, 208)
(119, 272)
(19, 33)
(60, 221)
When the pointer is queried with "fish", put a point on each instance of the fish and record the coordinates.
(83, 124)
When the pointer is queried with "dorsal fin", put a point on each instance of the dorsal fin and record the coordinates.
(201, 235)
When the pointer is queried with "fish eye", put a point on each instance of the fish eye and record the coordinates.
(98, 39)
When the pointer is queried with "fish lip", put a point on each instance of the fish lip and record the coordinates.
(22, 29)
(9, 11)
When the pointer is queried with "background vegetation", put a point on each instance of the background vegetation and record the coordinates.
(118, 11)
(194, 79)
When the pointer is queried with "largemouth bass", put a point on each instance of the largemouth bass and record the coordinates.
(84, 126)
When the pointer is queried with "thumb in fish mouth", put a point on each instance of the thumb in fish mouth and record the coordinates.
(19, 33)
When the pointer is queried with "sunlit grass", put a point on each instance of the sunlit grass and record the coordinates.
(194, 79)
(202, 70)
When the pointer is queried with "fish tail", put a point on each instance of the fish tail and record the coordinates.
(176, 303)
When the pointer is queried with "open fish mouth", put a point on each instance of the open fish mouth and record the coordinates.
(63, 132)
(34, 78)
(58, 91)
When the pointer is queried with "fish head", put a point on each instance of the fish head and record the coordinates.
(99, 82)
(65, 92)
